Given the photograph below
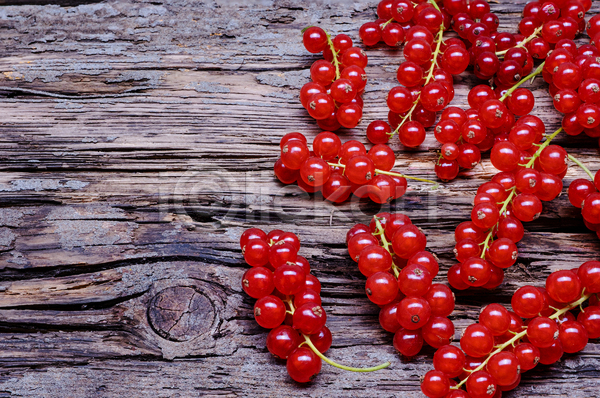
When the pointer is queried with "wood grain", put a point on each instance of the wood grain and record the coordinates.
(137, 140)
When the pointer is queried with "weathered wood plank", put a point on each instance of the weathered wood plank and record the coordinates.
(136, 143)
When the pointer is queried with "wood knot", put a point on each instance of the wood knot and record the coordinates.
(180, 313)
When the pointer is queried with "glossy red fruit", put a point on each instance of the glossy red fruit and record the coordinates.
(408, 342)
(282, 340)
(449, 360)
(435, 384)
(426, 259)
(590, 319)
(503, 253)
(388, 319)
(477, 341)
(439, 331)
(314, 39)
(563, 286)
(289, 278)
(528, 355)
(589, 275)
(408, 240)
(475, 271)
(504, 367)
(381, 288)
(526, 207)
(551, 354)
(440, 299)
(573, 336)
(496, 318)
(527, 302)
(303, 365)
(378, 132)
(309, 318)
(269, 312)
(256, 252)
(413, 313)
(481, 385)
(257, 282)
(542, 332)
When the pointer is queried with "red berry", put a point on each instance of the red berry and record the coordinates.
(408, 342)
(373, 259)
(315, 39)
(413, 313)
(573, 336)
(414, 280)
(475, 271)
(496, 318)
(440, 299)
(551, 354)
(309, 318)
(527, 302)
(388, 319)
(590, 319)
(481, 385)
(381, 288)
(256, 252)
(360, 169)
(408, 240)
(370, 33)
(303, 365)
(282, 340)
(439, 331)
(542, 332)
(269, 312)
(449, 360)
(528, 355)
(427, 260)
(322, 339)
(294, 153)
(564, 286)
(257, 282)
(589, 275)
(503, 253)
(435, 384)
(378, 132)
(526, 207)
(504, 367)
(477, 341)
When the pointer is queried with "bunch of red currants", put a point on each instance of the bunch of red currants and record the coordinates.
(288, 302)
(494, 352)
(333, 97)
(390, 252)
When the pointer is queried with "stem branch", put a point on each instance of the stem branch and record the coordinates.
(533, 74)
(524, 41)
(578, 163)
(391, 173)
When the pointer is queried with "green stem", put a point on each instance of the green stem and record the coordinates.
(522, 334)
(434, 4)
(513, 192)
(525, 41)
(436, 53)
(336, 62)
(578, 163)
(390, 173)
(386, 244)
(533, 74)
(383, 25)
(314, 349)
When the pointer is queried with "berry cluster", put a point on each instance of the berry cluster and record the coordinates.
(545, 27)
(584, 194)
(333, 97)
(494, 352)
(339, 170)
(288, 302)
(390, 252)
(487, 244)
(426, 75)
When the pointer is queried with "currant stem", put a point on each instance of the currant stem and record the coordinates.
(383, 25)
(578, 163)
(386, 244)
(522, 334)
(389, 173)
(439, 39)
(336, 62)
(533, 74)
(337, 365)
(314, 349)
(513, 190)
(525, 41)
(434, 4)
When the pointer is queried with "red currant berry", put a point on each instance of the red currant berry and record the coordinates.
(257, 282)
(454, 278)
(527, 302)
(475, 271)
(590, 319)
(412, 134)
(449, 360)
(315, 39)
(542, 332)
(373, 259)
(282, 340)
(388, 319)
(496, 318)
(440, 299)
(378, 132)
(591, 208)
(469, 156)
(413, 313)
(438, 332)
(573, 336)
(303, 365)
(528, 355)
(370, 33)
(477, 341)
(503, 253)
(408, 240)
(564, 286)
(526, 207)
(309, 318)
(269, 312)
(414, 280)
(256, 252)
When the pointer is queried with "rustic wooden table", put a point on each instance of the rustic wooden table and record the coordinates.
(137, 140)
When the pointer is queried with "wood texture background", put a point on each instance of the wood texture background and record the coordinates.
(137, 140)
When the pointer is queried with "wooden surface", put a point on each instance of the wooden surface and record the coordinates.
(136, 143)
